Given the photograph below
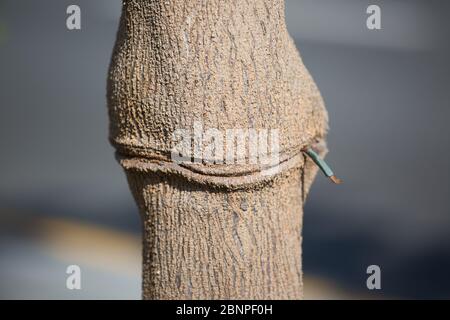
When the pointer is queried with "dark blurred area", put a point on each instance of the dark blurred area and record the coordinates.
(64, 199)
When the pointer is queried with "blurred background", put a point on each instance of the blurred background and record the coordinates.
(64, 200)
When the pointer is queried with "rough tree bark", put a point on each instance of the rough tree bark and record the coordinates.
(214, 231)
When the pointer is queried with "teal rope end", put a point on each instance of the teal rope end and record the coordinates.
(322, 165)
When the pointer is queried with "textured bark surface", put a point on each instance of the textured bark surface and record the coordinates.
(214, 231)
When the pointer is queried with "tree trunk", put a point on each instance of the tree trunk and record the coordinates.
(214, 229)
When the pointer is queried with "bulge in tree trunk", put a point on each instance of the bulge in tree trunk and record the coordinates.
(214, 230)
